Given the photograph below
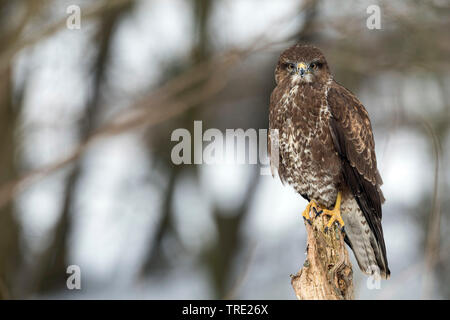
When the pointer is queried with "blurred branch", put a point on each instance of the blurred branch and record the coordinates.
(206, 79)
(11, 102)
(53, 261)
(432, 240)
(154, 257)
(243, 275)
(4, 291)
(93, 11)
(433, 234)
(159, 106)
(228, 223)
(309, 8)
(159, 148)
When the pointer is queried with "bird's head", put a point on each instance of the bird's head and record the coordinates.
(302, 63)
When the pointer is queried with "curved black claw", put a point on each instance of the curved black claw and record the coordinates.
(325, 230)
(309, 221)
(317, 213)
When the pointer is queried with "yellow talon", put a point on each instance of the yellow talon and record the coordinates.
(335, 214)
(311, 205)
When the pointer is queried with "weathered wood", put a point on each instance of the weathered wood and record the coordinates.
(327, 271)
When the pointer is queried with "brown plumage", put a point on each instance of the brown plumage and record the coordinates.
(325, 146)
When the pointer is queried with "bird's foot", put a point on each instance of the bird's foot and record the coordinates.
(335, 215)
(312, 205)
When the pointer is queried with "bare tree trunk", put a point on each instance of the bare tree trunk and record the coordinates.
(10, 250)
(327, 271)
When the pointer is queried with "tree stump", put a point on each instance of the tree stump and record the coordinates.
(327, 271)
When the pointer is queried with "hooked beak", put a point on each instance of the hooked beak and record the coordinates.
(302, 69)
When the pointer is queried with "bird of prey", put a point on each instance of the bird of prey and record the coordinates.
(326, 152)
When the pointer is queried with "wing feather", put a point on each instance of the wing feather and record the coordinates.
(353, 139)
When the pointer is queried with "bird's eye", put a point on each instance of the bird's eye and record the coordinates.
(315, 65)
(290, 66)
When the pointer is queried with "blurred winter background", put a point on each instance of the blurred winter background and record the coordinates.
(86, 117)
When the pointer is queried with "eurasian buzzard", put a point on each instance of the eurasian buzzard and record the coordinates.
(327, 152)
